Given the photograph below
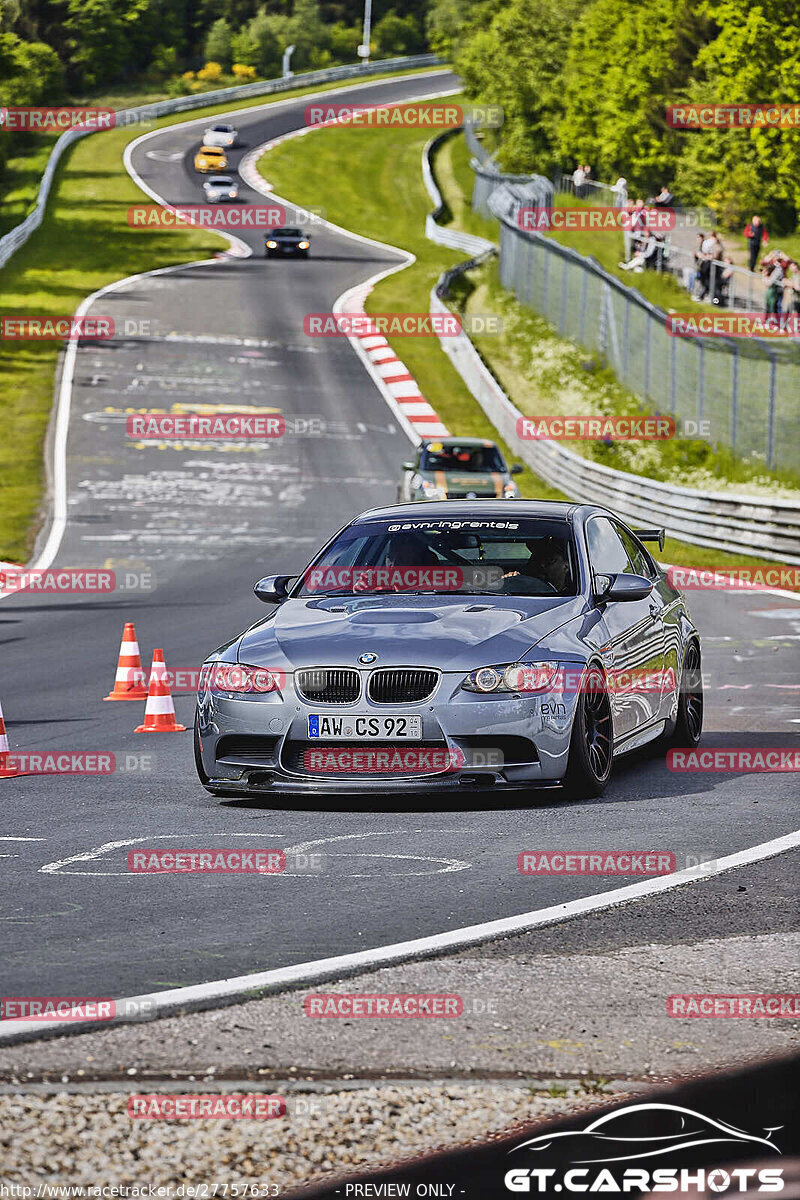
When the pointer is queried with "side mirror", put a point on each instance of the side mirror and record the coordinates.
(409, 466)
(272, 589)
(517, 468)
(624, 587)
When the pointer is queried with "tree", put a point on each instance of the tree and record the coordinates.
(753, 55)
(446, 23)
(218, 43)
(257, 46)
(344, 41)
(622, 68)
(395, 36)
(513, 56)
(308, 33)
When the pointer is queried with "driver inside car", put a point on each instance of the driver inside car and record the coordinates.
(403, 550)
(548, 562)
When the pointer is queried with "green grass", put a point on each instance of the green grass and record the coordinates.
(329, 168)
(82, 244)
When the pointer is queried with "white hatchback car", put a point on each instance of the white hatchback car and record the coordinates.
(221, 135)
(220, 187)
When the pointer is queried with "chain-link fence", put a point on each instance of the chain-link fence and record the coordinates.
(746, 389)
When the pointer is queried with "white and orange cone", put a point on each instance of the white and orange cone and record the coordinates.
(6, 770)
(129, 683)
(159, 712)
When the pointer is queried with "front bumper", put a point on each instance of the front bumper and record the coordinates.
(259, 743)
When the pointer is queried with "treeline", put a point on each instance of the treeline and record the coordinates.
(588, 81)
(51, 49)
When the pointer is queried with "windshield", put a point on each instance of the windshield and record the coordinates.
(529, 557)
(286, 232)
(438, 457)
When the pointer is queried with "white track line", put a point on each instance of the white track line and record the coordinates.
(228, 991)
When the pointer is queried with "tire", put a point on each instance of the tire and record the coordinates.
(591, 744)
(689, 721)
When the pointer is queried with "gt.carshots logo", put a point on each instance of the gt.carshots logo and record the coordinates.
(638, 1133)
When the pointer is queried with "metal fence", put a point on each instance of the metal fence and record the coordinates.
(17, 236)
(747, 390)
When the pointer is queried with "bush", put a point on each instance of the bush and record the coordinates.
(244, 72)
(211, 73)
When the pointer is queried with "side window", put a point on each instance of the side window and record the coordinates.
(607, 554)
(640, 561)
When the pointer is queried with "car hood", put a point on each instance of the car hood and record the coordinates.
(454, 633)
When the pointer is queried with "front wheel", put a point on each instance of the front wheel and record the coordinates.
(592, 742)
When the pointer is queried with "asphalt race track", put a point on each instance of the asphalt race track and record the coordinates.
(206, 521)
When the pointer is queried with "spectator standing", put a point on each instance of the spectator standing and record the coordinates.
(578, 177)
(621, 192)
(791, 296)
(587, 175)
(710, 251)
(722, 282)
(774, 276)
(756, 233)
(694, 278)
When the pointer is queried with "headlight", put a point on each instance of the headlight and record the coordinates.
(241, 679)
(518, 677)
(303, 245)
(510, 491)
(431, 491)
(232, 194)
(272, 245)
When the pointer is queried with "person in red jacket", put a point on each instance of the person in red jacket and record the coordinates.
(756, 233)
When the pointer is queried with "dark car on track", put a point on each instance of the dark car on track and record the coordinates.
(452, 647)
(453, 468)
(286, 240)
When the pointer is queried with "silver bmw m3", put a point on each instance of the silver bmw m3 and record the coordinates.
(451, 647)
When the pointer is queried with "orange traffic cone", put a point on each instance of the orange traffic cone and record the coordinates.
(129, 682)
(159, 712)
(6, 771)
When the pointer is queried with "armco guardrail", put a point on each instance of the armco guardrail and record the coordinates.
(741, 524)
(467, 242)
(17, 236)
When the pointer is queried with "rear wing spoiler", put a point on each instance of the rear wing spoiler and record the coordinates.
(652, 535)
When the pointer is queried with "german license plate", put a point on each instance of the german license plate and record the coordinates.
(357, 727)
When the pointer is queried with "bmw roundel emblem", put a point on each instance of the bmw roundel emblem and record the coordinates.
(367, 658)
